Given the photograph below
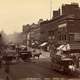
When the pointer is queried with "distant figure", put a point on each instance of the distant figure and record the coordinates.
(2, 44)
(18, 49)
(0, 61)
(7, 67)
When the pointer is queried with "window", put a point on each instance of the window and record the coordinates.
(77, 36)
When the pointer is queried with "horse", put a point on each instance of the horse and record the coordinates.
(37, 55)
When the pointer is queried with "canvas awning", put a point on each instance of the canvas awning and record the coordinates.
(64, 47)
(43, 44)
(67, 47)
(22, 46)
(33, 43)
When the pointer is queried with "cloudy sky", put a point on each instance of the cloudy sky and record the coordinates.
(15, 13)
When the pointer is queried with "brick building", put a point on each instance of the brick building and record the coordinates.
(65, 24)
(32, 32)
(67, 29)
(45, 28)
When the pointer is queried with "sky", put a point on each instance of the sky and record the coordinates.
(16, 13)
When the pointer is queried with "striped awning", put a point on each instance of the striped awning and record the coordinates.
(69, 47)
(64, 47)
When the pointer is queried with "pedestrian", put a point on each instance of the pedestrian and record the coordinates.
(18, 52)
(7, 67)
(0, 61)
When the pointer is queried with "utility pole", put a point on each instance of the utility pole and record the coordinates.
(50, 9)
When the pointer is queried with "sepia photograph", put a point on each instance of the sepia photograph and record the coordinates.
(39, 39)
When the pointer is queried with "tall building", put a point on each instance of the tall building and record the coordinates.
(62, 24)
(35, 32)
(45, 28)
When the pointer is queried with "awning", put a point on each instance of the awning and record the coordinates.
(43, 44)
(33, 43)
(22, 46)
(64, 47)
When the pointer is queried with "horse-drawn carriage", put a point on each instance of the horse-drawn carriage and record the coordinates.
(9, 54)
(25, 55)
(13, 55)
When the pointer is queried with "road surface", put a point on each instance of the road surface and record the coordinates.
(35, 69)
